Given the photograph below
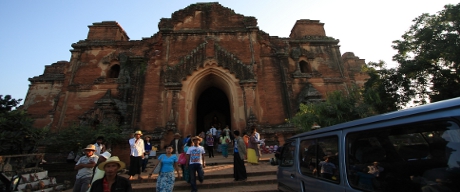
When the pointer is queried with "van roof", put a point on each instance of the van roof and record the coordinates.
(445, 104)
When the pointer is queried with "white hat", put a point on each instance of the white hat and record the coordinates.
(106, 155)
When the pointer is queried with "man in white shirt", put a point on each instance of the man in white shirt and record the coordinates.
(213, 130)
(195, 162)
(100, 147)
(85, 167)
(136, 155)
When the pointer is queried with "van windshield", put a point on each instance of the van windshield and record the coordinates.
(408, 157)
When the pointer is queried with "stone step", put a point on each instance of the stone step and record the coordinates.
(217, 172)
(218, 175)
(240, 188)
(251, 184)
(206, 177)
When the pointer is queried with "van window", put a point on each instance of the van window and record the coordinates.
(415, 157)
(319, 158)
(287, 155)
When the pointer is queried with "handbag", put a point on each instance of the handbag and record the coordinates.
(182, 159)
(157, 168)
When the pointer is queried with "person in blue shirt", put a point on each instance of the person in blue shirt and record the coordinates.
(186, 139)
(147, 148)
(166, 177)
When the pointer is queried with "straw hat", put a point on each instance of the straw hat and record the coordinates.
(90, 147)
(106, 155)
(113, 159)
(138, 133)
(197, 137)
(177, 134)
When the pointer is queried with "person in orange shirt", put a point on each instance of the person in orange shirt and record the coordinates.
(246, 139)
(246, 142)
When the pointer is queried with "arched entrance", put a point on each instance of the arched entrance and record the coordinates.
(212, 109)
(210, 83)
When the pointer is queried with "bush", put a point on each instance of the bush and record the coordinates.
(17, 136)
(75, 137)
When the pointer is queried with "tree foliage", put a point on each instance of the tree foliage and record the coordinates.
(339, 107)
(75, 137)
(381, 89)
(428, 56)
(17, 134)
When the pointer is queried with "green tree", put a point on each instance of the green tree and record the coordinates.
(17, 134)
(76, 137)
(381, 89)
(339, 107)
(428, 56)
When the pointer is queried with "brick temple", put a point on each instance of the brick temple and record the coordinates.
(207, 65)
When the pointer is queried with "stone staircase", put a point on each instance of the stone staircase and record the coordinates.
(219, 176)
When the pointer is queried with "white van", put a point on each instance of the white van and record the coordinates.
(416, 149)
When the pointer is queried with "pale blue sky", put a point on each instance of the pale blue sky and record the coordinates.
(35, 33)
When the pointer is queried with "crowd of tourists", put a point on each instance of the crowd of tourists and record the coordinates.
(184, 158)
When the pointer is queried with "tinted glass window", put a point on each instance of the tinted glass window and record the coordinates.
(416, 157)
(287, 155)
(319, 158)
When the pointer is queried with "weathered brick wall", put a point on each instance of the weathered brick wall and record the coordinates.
(268, 92)
(44, 93)
(108, 31)
(202, 45)
(306, 27)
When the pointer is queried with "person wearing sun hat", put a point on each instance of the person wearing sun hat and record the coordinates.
(97, 173)
(111, 180)
(177, 145)
(137, 154)
(85, 167)
(195, 162)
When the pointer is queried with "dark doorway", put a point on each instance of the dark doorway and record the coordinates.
(114, 71)
(304, 67)
(212, 109)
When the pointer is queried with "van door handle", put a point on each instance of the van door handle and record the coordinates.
(292, 176)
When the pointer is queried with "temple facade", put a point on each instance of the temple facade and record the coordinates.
(207, 65)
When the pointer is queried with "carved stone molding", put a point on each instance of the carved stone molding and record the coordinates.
(298, 52)
(105, 112)
(110, 57)
(308, 95)
(195, 60)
